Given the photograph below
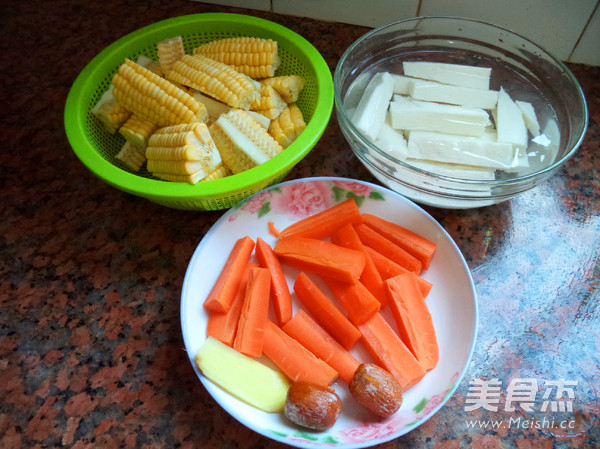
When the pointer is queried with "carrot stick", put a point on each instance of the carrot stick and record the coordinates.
(223, 325)
(224, 290)
(322, 224)
(320, 257)
(325, 312)
(388, 269)
(318, 341)
(347, 237)
(293, 359)
(413, 319)
(355, 299)
(389, 352)
(282, 299)
(250, 334)
(417, 245)
(378, 242)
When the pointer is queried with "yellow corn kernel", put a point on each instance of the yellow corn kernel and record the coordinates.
(215, 79)
(110, 112)
(288, 86)
(132, 156)
(253, 56)
(270, 104)
(288, 126)
(153, 98)
(169, 51)
(137, 131)
(242, 142)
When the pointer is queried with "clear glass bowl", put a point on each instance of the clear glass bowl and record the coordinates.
(522, 68)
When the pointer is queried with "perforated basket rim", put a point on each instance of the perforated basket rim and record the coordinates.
(86, 83)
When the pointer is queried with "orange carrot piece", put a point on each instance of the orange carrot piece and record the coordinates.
(250, 334)
(420, 247)
(373, 239)
(273, 230)
(322, 224)
(347, 237)
(293, 359)
(223, 325)
(325, 312)
(388, 269)
(318, 341)
(389, 352)
(355, 299)
(282, 299)
(225, 288)
(320, 257)
(413, 319)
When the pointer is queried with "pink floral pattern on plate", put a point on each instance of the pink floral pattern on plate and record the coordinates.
(301, 199)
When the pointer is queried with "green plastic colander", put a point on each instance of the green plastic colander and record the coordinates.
(97, 148)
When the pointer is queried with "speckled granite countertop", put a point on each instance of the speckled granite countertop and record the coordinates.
(91, 353)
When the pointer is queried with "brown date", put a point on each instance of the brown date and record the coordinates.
(376, 390)
(312, 406)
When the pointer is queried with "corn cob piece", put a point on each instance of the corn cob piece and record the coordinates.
(253, 56)
(214, 107)
(150, 64)
(215, 79)
(132, 156)
(182, 150)
(153, 98)
(169, 51)
(260, 119)
(270, 104)
(288, 86)
(219, 172)
(137, 131)
(242, 142)
(288, 126)
(110, 112)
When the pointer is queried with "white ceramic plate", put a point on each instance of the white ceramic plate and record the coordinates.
(452, 302)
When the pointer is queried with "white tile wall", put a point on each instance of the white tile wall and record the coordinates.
(569, 29)
(356, 12)
(555, 25)
(587, 50)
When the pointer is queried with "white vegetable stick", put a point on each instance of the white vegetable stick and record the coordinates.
(510, 123)
(355, 91)
(373, 105)
(409, 114)
(531, 121)
(402, 84)
(455, 74)
(444, 93)
(454, 170)
(392, 141)
(481, 152)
